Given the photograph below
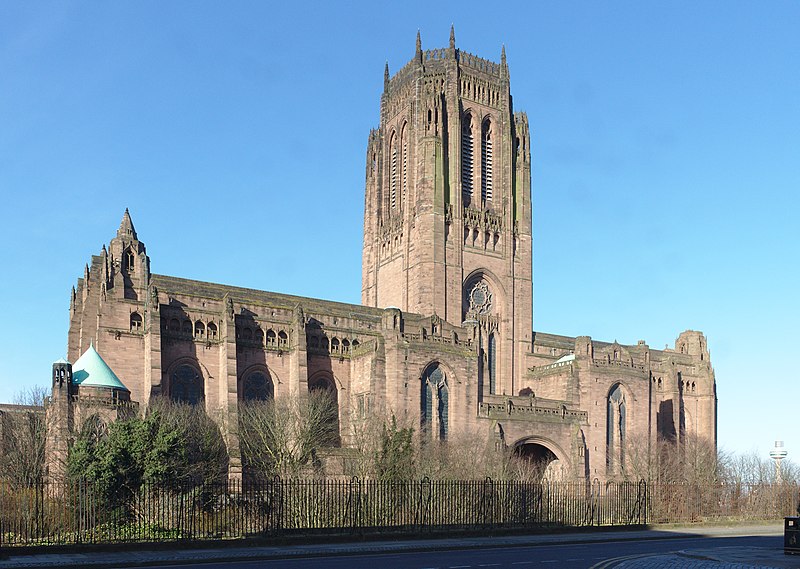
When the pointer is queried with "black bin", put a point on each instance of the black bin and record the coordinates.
(791, 536)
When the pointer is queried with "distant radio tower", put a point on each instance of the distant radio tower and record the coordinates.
(778, 454)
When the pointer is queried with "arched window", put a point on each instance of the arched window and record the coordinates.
(136, 322)
(355, 344)
(326, 402)
(257, 386)
(212, 330)
(187, 384)
(404, 174)
(492, 363)
(345, 346)
(283, 339)
(259, 336)
(467, 163)
(94, 429)
(335, 345)
(199, 329)
(486, 161)
(434, 405)
(174, 325)
(271, 338)
(130, 261)
(616, 429)
(186, 327)
(393, 171)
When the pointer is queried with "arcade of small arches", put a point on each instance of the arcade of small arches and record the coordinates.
(270, 339)
(321, 344)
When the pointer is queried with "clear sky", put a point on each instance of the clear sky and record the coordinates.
(666, 147)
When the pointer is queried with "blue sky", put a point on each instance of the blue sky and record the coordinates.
(666, 138)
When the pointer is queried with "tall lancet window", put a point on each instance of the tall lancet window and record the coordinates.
(492, 363)
(615, 430)
(486, 161)
(434, 404)
(467, 159)
(404, 151)
(393, 174)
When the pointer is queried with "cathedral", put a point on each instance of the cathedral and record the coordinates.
(443, 336)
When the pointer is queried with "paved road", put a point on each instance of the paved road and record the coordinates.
(622, 553)
(660, 547)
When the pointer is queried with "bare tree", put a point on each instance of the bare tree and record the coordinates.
(282, 436)
(23, 438)
(204, 454)
(692, 460)
(372, 440)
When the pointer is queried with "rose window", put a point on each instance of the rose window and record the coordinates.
(480, 298)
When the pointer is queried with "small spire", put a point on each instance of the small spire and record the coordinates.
(386, 77)
(452, 36)
(126, 226)
(419, 43)
(503, 55)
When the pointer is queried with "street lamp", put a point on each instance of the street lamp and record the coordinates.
(778, 454)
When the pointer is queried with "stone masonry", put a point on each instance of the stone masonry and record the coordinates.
(443, 336)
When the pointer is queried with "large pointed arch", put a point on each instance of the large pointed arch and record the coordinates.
(256, 384)
(467, 158)
(186, 383)
(394, 173)
(617, 420)
(487, 159)
(323, 383)
(404, 166)
(435, 401)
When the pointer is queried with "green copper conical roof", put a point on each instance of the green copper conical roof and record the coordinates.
(92, 371)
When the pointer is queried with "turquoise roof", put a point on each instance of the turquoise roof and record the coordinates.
(92, 371)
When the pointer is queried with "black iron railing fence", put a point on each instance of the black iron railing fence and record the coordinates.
(52, 514)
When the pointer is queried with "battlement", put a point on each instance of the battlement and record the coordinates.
(478, 63)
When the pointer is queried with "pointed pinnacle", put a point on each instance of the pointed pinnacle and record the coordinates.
(386, 76)
(503, 55)
(452, 36)
(126, 226)
(419, 43)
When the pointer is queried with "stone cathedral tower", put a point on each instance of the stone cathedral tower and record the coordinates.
(447, 220)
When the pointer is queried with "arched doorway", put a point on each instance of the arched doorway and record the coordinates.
(541, 461)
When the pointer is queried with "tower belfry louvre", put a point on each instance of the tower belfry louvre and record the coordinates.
(443, 339)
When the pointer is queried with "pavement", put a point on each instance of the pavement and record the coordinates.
(717, 558)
